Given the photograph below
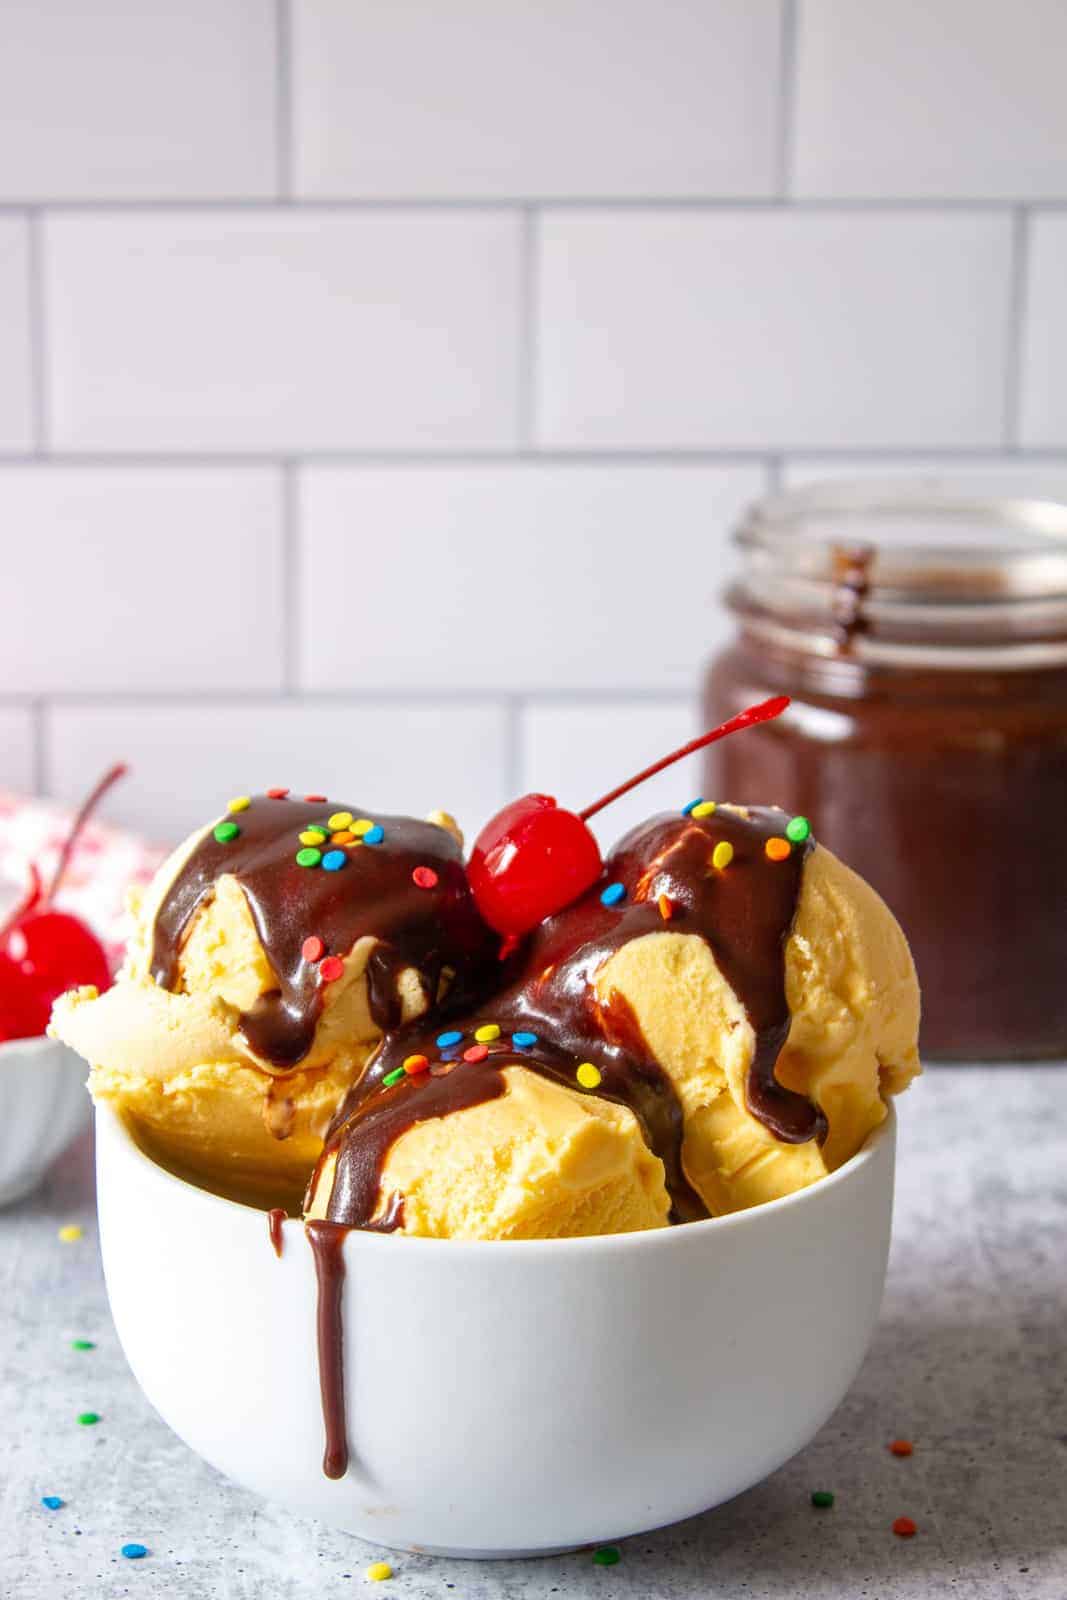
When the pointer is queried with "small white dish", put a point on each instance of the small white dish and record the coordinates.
(503, 1398)
(43, 1106)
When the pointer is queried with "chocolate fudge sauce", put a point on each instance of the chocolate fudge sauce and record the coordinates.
(275, 1217)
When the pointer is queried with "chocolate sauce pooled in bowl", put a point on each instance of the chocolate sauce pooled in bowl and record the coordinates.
(744, 913)
(373, 894)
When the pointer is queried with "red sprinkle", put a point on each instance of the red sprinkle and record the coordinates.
(331, 969)
(901, 1447)
(277, 794)
(666, 907)
(477, 1052)
(315, 799)
(904, 1528)
(425, 877)
(312, 948)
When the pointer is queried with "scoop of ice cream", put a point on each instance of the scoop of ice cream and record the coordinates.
(539, 1161)
(255, 987)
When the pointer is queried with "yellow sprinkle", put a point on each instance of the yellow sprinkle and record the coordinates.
(378, 1571)
(588, 1075)
(722, 854)
(487, 1033)
(704, 809)
(312, 836)
(341, 819)
(361, 826)
(240, 802)
(70, 1232)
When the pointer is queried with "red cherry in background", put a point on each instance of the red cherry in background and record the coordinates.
(532, 859)
(45, 952)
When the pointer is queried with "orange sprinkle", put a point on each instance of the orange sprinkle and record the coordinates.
(413, 1065)
(666, 907)
(343, 837)
(904, 1528)
(778, 849)
(901, 1447)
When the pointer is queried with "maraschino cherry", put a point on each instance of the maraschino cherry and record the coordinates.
(44, 952)
(533, 858)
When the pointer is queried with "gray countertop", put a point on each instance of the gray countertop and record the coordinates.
(968, 1362)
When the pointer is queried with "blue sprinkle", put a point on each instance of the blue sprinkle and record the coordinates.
(334, 860)
(699, 801)
(134, 1552)
(613, 894)
(524, 1041)
(374, 835)
(445, 1039)
(52, 1501)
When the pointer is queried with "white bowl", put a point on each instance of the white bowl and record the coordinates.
(43, 1106)
(502, 1398)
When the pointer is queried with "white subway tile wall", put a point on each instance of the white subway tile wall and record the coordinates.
(379, 383)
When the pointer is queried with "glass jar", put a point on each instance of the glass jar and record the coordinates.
(921, 630)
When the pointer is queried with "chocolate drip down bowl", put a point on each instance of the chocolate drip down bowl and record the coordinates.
(501, 1398)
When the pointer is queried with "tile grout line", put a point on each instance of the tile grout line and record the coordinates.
(681, 457)
(291, 577)
(787, 89)
(516, 706)
(527, 362)
(1016, 328)
(37, 334)
(38, 748)
(323, 699)
(357, 205)
(283, 109)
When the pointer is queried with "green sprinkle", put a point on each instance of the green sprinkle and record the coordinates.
(88, 1418)
(823, 1499)
(226, 831)
(798, 829)
(607, 1556)
(393, 1077)
(308, 857)
(82, 1344)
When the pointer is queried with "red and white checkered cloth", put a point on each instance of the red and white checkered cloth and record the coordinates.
(107, 860)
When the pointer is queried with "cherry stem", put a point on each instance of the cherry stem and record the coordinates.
(766, 711)
(89, 805)
(33, 896)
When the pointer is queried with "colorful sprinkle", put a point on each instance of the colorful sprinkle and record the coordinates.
(374, 835)
(778, 849)
(904, 1528)
(134, 1552)
(341, 819)
(361, 826)
(331, 969)
(524, 1040)
(451, 1037)
(607, 1556)
(313, 948)
(687, 811)
(823, 1499)
(393, 1077)
(334, 860)
(424, 878)
(798, 829)
(225, 831)
(378, 1571)
(52, 1501)
(308, 857)
(722, 854)
(240, 802)
(343, 836)
(666, 907)
(612, 894)
(277, 794)
(82, 1344)
(315, 799)
(477, 1052)
(69, 1232)
(901, 1447)
(313, 836)
(704, 809)
(88, 1418)
(413, 1065)
(588, 1075)
(487, 1032)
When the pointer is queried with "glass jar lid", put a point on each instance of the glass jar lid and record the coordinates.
(916, 571)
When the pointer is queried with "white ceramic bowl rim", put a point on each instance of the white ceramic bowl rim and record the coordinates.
(646, 1239)
(38, 1044)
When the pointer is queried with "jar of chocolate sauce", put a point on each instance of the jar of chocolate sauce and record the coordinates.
(921, 630)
